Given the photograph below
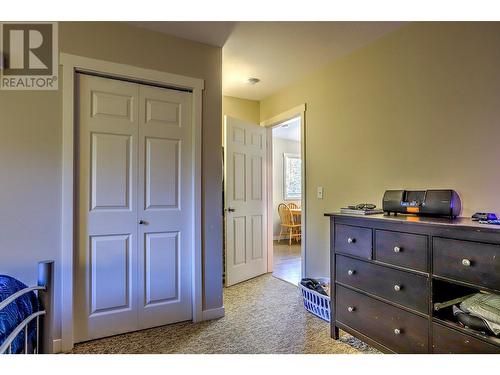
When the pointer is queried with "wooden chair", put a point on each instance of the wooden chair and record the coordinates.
(294, 206)
(288, 224)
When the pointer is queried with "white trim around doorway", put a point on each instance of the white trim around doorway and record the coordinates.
(298, 111)
(71, 64)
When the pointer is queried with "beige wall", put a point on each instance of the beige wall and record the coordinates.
(418, 108)
(30, 149)
(244, 109)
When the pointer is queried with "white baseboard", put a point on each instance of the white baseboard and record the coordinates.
(57, 345)
(216, 313)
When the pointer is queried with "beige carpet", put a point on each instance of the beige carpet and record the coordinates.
(263, 315)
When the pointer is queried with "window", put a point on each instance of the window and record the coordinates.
(292, 184)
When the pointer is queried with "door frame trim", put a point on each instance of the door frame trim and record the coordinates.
(298, 111)
(71, 64)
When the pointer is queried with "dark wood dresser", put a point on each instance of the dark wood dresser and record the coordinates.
(387, 273)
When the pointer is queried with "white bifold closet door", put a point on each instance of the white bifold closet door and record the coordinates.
(135, 212)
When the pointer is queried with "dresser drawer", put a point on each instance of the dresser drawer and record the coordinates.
(448, 341)
(353, 240)
(468, 261)
(402, 249)
(396, 286)
(396, 329)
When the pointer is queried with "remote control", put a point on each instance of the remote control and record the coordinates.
(494, 222)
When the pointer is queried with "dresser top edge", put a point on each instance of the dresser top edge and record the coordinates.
(459, 222)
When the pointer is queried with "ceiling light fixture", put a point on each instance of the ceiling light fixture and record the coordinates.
(253, 80)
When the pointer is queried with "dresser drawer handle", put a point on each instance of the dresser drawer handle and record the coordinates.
(397, 287)
(351, 240)
(351, 272)
(466, 262)
(397, 249)
(351, 309)
(397, 331)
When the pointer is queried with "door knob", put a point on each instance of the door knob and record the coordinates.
(230, 209)
(143, 222)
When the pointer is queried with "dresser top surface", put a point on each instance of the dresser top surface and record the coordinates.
(459, 222)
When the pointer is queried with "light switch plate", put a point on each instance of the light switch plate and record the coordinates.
(320, 192)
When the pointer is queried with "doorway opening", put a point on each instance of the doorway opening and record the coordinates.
(287, 200)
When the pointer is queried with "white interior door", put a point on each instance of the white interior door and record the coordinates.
(245, 205)
(132, 267)
(106, 263)
(165, 206)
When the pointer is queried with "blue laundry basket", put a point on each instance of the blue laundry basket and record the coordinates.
(316, 303)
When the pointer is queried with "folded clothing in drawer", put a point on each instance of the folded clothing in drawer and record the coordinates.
(486, 307)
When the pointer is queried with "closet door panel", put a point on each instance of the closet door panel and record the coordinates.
(106, 260)
(165, 206)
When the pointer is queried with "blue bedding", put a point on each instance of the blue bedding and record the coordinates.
(16, 312)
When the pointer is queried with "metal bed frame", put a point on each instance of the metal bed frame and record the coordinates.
(44, 317)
